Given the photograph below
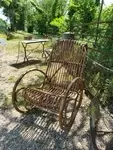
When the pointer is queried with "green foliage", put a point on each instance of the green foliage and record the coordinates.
(97, 2)
(105, 37)
(32, 15)
(3, 26)
(60, 23)
(99, 75)
(107, 95)
(54, 8)
(40, 10)
(17, 35)
(98, 78)
(79, 12)
(47, 11)
(18, 13)
(5, 3)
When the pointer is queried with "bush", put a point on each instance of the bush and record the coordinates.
(17, 35)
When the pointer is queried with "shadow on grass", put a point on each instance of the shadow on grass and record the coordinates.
(24, 64)
(109, 146)
(34, 131)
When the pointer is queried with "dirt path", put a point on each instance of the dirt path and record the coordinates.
(36, 131)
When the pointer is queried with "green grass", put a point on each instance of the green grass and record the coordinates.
(12, 46)
(11, 79)
(20, 35)
(2, 35)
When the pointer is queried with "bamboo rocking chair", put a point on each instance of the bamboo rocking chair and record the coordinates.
(61, 91)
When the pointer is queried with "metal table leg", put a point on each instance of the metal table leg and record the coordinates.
(43, 52)
(25, 52)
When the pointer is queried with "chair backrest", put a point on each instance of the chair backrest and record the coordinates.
(66, 62)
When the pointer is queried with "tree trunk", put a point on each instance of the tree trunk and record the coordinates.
(99, 17)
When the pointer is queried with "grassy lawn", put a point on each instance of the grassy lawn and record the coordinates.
(14, 43)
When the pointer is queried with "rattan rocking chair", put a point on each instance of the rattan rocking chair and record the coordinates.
(61, 92)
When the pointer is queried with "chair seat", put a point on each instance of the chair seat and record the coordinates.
(47, 98)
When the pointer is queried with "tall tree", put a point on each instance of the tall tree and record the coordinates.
(46, 11)
(8, 9)
(81, 11)
(18, 12)
(99, 17)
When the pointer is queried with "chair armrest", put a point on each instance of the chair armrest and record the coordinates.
(74, 81)
(20, 78)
